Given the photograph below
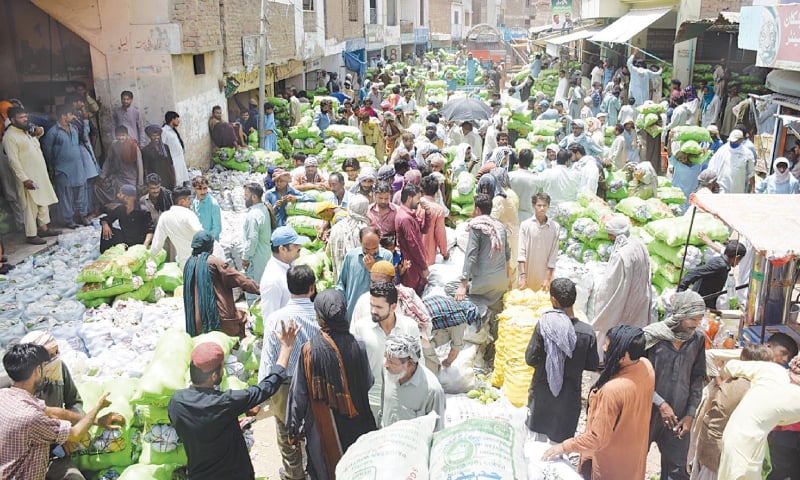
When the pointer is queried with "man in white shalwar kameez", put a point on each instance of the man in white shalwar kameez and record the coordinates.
(640, 80)
(734, 165)
(772, 400)
(624, 294)
(172, 139)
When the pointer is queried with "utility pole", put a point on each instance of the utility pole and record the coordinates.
(262, 53)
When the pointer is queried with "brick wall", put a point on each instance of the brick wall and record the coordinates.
(241, 17)
(338, 23)
(441, 16)
(280, 32)
(237, 18)
(517, 11)
(711, 8)
(200, 24)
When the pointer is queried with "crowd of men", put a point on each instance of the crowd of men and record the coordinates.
(361, 356)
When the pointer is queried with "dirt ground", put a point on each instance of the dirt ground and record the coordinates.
(267, 458)
(265, 454)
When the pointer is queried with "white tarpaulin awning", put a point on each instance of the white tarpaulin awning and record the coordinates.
(769, 222)
(630, 24)
(580, 35)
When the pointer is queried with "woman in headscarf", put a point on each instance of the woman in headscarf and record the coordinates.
(615, 441)
(345, 233)
(595, 129)
(693, 103)
(413, 177)
(711, 106)
(123, 166)
(505, 209)
(328, 403)
(208, 291)
(157, 159)
(781, 181)
(391, 132)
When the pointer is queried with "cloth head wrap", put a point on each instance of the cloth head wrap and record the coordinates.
(40, 337)
(153, 129)
(685, 305)
(559, 343)
(618, 225)
(403, 346)
(366, 173)
(491, 185)
(358, 206)
(501, 174)
(785, 176)
(331, 306)
(413, 177)
(202, 242)
(707, 177)
(386, 173)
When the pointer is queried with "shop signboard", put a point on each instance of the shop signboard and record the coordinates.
(778, 36)
(561, 13)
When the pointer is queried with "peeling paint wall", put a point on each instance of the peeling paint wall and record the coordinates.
(146, 46)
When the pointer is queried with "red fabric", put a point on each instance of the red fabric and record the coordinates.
(208, 356)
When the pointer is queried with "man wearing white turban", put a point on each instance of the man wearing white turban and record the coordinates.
(624, 295)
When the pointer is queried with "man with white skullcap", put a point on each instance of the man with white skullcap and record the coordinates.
(624, 294)
(410, 389)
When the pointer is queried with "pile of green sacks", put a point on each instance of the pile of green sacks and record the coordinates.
(462, 200)
(587, 240)
(250, 159)
(147, 446)
(666, 238)
(648, 118)
(131, 273)
(690, 138)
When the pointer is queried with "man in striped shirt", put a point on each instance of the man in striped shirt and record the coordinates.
(301, 282)
(449, 319)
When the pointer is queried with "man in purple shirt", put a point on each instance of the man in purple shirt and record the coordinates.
(409, 237)
(130, 117)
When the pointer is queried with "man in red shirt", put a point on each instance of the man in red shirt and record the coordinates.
(382, 213)
(409, 229)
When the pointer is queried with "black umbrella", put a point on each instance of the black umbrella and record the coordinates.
(465, 110)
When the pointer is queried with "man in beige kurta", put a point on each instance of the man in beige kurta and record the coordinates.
(34, 190)
(538, 246)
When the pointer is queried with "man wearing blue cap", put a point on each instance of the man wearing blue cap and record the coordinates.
(286, 245)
